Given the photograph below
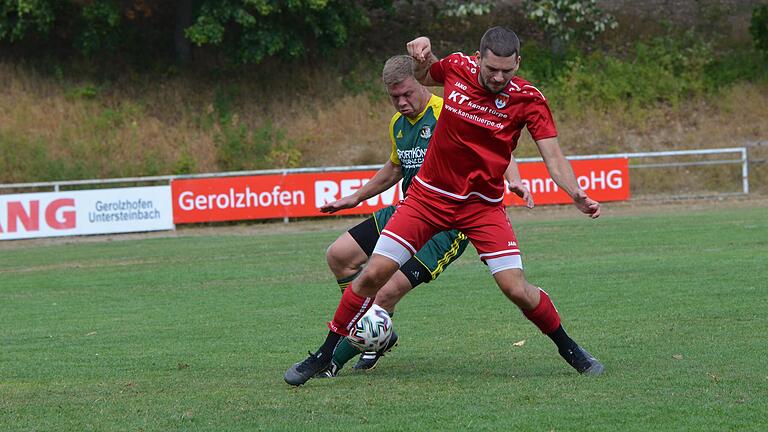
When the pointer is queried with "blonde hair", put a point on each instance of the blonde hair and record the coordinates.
(397, 69)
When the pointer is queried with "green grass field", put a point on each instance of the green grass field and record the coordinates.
(194, 333)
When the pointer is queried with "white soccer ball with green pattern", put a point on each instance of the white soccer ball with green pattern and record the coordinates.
(373, 331)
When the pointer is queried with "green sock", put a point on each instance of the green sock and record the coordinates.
(344, 282)
(344, 352)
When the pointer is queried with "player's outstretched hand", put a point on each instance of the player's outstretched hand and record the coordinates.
(519, 189)
(420, 48)
(344, 203)
(587, 205)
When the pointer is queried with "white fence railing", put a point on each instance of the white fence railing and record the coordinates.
(741, 159)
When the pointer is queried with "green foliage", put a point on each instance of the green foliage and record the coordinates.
(364, 77)
(21, 18)
(636, 78)
(185, 164)
(664, 70)
(463, 9)
(735, 65)
(540, 66)
(99, 30)
(147, 30)
(99, 26)
(239, 148)
(24, 160)
(224, 102)
(250, 30)
(569, 20)
(759, 28)
(85, 150)
(85, 91)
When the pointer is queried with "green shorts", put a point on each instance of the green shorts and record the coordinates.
(439, 252)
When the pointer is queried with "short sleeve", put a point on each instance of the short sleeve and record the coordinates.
(539, 120)
(437, 105)
(437, 70)
(393, 155)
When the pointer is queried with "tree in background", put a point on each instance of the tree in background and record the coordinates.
(131, 30)
(245, 31)
(455, 8)
(22, 19)
(759, 28)
(565, 21)
(250, 30)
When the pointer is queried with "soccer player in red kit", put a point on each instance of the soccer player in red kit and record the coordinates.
(461, 185)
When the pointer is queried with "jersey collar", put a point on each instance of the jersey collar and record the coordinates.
(430, 103)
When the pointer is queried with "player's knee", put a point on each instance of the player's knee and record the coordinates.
(332, 257)
(373, 277)
(388, 298)
(513, 284)
(515, 291)
(371, 281)
(340, 260)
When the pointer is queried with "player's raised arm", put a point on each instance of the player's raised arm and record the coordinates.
(421, 51)
(561, 172)
(384, 179)
(516, 186)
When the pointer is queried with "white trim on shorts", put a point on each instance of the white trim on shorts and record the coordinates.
(507, 251)
(508, 262)
(400, 240)
(392, 249)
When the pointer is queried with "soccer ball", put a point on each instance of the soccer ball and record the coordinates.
(372, 331)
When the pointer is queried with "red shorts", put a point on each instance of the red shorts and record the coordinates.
(424, 213)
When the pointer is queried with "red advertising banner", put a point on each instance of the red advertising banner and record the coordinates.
(271, 196)
(602, 179)
(301, 195)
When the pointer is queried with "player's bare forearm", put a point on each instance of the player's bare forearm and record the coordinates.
(558, 166)
(512, 174)
(385, 178)
(421, 51)
(516, 185)
(562, 173)
(421, 72)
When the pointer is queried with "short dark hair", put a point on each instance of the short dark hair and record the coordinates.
(502, 41)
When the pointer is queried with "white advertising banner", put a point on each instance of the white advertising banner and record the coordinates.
(102, 211)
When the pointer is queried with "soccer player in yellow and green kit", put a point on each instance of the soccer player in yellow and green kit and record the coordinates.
(410, 131)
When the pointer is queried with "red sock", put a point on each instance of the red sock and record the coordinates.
(544, 315)
(351, 308)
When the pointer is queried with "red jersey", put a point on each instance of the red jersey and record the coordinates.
(477, 131)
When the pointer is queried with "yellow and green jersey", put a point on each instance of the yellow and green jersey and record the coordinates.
(410, 138)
